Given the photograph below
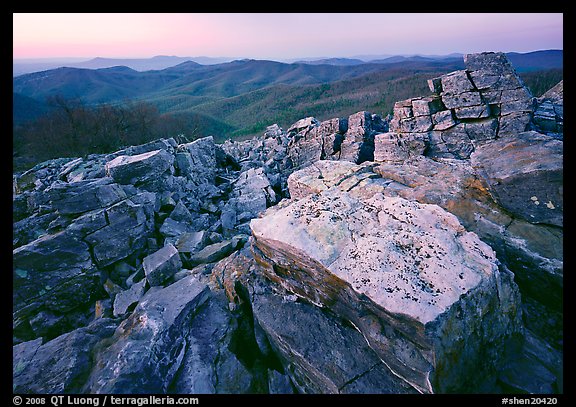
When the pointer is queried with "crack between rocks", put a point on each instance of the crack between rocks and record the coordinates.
(386, 364)
(321, 175)
(358, 376)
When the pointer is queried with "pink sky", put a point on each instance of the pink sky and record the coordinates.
(280, 36)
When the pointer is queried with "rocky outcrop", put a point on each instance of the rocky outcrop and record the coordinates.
(549, 114)
(350, 255)
(397, 270)
(485, 101)
(530, 159)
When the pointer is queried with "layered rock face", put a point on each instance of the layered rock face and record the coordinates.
(485, 101)
(350, 255)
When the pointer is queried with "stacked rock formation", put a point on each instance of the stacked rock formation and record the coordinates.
(485, 101)
(334, 257)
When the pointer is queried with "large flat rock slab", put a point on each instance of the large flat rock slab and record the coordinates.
(408, 275)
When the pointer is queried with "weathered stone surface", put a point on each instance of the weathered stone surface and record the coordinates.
(358, 143)
(324, 175)
(84, 196)
(443, 120)
(208, 364)
(525, 175)
(211, 253)
(41, 368)
(202, 160)
(173, 228)
(303, 124)
(336, 364)
(549, 114)
(162, 265)
(464, 99)
(435, 85)
(147, 349)
(125, 299)
(397, 147)
(495, 62)
(191, 242)
(456, 82)
(532, 251)
(126, 233)
(481, 131)
(426, 106)
(139, 169)
(168, 145)
(472, 112)
(321, 247)
(46, 272)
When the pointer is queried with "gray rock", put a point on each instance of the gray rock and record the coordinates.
(324, 175)
(303, 124)
(481, 131)
(397, 147)
(472, 112)
(435, 85)
(42, 267)
(495, 62)
(426, 106)
(168, 145)
(83, 196)
(463, 99)
(514, 123)
(161, 265)
(129, 226)
(211, 253)
(358, 143)
(336, 237)
(525, 175)
(342, 356)
(191, 242)
(147, 349)
(125, 299)
(279, 383)
(139, 169)
(173, 228)
(455, 83)
(208, 365)
(202, 167)
(443, 120)
(549, 114)
(40, 368)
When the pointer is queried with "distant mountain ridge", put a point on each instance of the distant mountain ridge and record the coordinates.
(159, 62)
(244, 95)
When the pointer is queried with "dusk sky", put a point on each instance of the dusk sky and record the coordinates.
(280, 36)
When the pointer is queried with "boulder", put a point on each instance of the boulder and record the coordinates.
(200, 158)
(139, 169)
(83, 196)
(161, 265)
(125, 299)
(40, 368)
(341, 362)
(407, 275)
(54, 271)
(147, 349)
(129, 225)
(209, 366)
(211, 253)
(524, 175)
